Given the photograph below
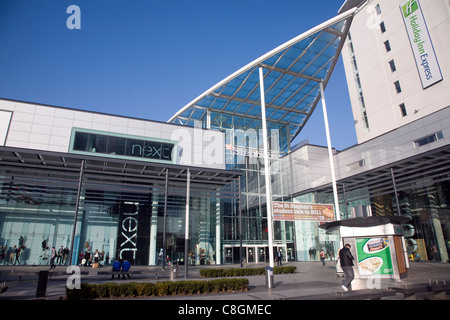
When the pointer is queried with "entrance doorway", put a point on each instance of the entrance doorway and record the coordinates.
(231, 254)
(253, 254)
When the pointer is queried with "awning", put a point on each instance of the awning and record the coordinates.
(53, 177)
(292, 74)
(364, 222)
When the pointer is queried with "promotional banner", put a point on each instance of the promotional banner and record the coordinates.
(421, 45)
(303, 211)
(374, 256)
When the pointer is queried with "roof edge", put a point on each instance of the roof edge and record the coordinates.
(351, 4)
(343, 16)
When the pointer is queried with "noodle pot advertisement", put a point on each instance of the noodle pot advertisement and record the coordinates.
(374, 256)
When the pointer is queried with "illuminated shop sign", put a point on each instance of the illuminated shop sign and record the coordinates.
(250, 152)
(117, 146)
(128, 232)
(421, 45)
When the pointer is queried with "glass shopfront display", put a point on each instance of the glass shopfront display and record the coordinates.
(122, 213)
(417, 189)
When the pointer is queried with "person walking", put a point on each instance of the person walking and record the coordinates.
(3, 254)
(322, 257)
(53, 255)
(279, 257)
(18, 252)
(346, 258)
(87, 256)
(12, 255)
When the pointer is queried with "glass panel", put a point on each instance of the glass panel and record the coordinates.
(81, 141)
(36, 214)
(122, 146)
(116, 145)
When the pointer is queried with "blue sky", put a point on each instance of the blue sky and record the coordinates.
(148, 59)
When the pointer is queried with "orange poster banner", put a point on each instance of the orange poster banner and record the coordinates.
(292, 211)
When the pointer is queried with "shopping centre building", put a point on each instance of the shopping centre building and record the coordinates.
(194, 188)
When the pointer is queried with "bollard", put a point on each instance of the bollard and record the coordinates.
(42, 284)
(173, 272)
(269, 277)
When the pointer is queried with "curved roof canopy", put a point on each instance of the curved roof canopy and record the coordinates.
(292, 74)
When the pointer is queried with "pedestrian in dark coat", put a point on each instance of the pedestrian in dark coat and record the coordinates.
(346, 258)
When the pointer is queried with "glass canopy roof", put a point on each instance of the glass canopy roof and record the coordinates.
(292, 74)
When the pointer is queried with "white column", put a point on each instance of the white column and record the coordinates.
(186, 236)
(266, 168)
(330, 155)
(218, 232)
(153, 255)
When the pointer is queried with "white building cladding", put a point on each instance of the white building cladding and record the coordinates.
(41, 127)
(403, 172)
(401, 162)
(385, 79)
(123, 180)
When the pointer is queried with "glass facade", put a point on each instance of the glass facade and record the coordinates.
(417, 188)
(292, 75)
(36, 212)
(244, 152)
(123, 211)
(428, 233)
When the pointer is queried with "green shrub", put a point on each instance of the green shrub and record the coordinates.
(284, 270)
(240, 272)
(145, 289)
(163, 288)
(103, 290)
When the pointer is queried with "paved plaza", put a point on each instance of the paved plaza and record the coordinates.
(312, 281)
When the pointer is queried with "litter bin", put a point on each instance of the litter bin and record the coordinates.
(173, 271)
(269, 277)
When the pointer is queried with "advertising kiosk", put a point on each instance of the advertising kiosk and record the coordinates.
(377, 244)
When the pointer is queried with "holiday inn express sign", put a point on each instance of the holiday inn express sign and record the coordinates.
(421, 45)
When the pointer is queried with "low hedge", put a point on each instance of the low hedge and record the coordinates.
(242, 272)
(162, 288)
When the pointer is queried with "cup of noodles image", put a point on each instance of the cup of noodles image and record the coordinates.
(370, 265)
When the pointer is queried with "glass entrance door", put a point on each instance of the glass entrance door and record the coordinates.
(251, 255)
(262, 254)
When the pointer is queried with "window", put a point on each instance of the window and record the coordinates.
(358, 85)
(403, 110)
(382, 27)
(356, 165)
(387, 45)
(365, 120)
(378, 9)
(103, 144)
(392, 65)
(429, 139)
(397, 86)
